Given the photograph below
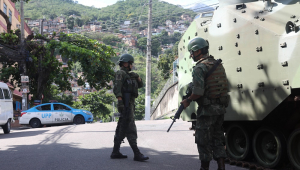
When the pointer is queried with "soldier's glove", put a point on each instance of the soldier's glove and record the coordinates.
(134, 75)
(120, 106)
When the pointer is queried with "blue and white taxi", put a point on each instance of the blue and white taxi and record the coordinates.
(54, 113)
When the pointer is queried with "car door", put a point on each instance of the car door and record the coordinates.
(62, 113)
(44, 113)
(2, 108)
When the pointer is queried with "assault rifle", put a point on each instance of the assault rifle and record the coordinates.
(181, 107)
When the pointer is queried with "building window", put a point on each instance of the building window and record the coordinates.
(10, 16)
(4, 8)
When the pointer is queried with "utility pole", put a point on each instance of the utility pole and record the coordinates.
(40, 61)
(148, 66)
(24, 77)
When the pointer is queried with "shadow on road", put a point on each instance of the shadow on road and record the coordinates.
(70, 156)
(24, 133)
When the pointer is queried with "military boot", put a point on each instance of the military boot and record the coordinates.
(116, 154)
(204, 165)
(221, 164)
(138, 156)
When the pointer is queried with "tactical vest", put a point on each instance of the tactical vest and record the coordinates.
(130, 86)
(216, 85)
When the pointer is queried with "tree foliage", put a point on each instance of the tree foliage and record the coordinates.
(70, 23)
(165, 63)
(97, 103)
(140, 107)
(93, 57)
(55, 94)
(155, 45)
(107, 38)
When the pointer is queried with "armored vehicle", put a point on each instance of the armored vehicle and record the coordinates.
(259, 44)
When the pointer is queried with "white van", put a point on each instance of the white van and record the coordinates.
(6, 108)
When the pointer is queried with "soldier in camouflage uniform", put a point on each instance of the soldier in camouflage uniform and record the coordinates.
(211, 95)
(126, 86)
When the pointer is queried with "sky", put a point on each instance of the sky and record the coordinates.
(104, 3)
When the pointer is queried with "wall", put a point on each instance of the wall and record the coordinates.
(168, 103)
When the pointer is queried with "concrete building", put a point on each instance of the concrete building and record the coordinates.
(8, 7)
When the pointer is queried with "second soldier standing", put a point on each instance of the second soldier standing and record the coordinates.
(210, 87)
(126, 86)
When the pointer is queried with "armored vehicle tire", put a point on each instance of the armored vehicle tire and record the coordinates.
(6, 127)
(238, 143)
(293, 148)
(269, 147)
(35, 123)
(78, 120)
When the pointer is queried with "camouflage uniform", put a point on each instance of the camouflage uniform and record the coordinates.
(209, 135)
(126, 125)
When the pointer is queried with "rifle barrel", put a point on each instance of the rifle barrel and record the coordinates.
(174, 120)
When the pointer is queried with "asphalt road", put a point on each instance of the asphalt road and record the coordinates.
(89, 147)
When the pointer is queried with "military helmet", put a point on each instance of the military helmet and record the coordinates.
(126, 58)
(197, 44)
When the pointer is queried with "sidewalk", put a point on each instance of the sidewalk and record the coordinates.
(16, 126)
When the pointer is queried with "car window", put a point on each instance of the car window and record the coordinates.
(6, 94)
(44, 107)
(60, 107)
(1, 94)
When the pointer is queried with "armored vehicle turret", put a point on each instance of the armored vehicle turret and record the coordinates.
(259, 44)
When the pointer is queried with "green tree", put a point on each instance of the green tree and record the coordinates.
(140, 107)
(70, 23)
(164, 64)
(52, 16)
(76, 69)
(93, 57)
(97, 103)
(142, 44)
(78, 22)
(72, 12)
(110, 39)
(55, 94)
(155, 45)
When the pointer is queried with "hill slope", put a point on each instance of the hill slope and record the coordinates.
(133, 10)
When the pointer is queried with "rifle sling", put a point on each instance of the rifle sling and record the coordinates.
(218, 62)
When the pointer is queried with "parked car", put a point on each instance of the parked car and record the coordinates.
(54, 113)
(6, 108)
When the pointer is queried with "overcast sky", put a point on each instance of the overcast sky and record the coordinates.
(104, 3)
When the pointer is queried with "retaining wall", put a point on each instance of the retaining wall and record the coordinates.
(168, 102)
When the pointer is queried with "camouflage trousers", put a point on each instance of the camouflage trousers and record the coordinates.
(209, 137)
(126, 128)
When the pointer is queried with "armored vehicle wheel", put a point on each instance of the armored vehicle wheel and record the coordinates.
(269, 147)
(238, 143)
(294, 148)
